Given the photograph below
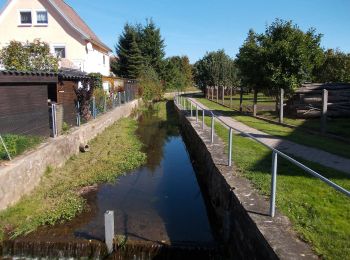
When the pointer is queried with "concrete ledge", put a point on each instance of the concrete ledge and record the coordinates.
(239, 213)
(20, 176)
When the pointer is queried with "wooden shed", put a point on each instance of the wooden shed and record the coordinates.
(25, 98)
(307, 100)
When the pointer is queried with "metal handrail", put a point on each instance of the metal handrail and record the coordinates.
(275, 153)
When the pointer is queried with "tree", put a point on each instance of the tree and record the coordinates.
(151, 87)
(129, 55)
(31, 56)
(151, 45)
(215, 69)
(335, 68)
(177, 73)
(291, 55)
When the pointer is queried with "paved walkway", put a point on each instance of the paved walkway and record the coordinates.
(288, 147)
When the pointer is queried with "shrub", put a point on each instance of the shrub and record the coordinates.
(151, 88)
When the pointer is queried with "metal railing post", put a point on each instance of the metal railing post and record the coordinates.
(109, 230)
(191, 109)
(203, 115)
(273, 184)
(124, 97)
(54, 121)
(78, 114)
(105, 104)
(119, 99)
(230, 147)
(94, 107)
(212, 127)
(197, 113)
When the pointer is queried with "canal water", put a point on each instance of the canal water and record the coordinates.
(158, 202)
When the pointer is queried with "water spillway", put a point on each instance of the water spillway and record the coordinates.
(157, 207)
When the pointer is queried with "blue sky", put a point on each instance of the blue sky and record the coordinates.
(192, 27)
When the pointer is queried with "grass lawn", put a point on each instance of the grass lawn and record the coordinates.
(295, 135)
(319, 214)
(113, 152)
(18, 144)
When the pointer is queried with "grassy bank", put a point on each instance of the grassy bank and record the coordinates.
(295, 135)
(57, 198)
(18, 144)
(318, 213)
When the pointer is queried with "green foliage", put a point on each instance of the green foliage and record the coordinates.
(139, 46)
(151, 45)
(34, 56)
(283, 57)
(216, 69)
(65, 127)
(17, 144)
(335, 68)
(114, 152)
(96, 79)
(150, 85)
(177, 73)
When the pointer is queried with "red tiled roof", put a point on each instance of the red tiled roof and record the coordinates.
(77, 22)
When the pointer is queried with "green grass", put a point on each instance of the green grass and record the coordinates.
(296, 135)
(319, 214)
(18, 144)
(56, 199)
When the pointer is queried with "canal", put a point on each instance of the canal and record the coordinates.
(161, 202)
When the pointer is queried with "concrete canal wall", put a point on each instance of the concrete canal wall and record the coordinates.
(20, 176)
(237, 212)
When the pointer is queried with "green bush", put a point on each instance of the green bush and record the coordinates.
(17, 144)
(150, 85)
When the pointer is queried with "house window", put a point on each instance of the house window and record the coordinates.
(26, 17)
(60, 51)
(41, 17)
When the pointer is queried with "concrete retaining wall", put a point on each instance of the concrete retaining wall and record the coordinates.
(236, 210)
(20, 176)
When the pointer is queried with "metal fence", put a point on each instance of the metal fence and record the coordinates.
(190, 105)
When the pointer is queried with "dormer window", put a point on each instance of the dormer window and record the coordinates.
(41, 17)
(26, 17)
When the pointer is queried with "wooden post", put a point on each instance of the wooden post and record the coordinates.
(281, 105)
(241, 100)
(223, 95)
(217, 94)
(212, 93)
(255, 102)
(231, 97)
(324, 111)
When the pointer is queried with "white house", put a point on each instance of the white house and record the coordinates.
(55, 22)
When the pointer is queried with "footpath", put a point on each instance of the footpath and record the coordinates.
(305, 152)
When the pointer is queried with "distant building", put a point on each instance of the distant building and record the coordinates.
(55, 22)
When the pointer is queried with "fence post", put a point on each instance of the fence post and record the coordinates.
(104, 103)
(94, 107)
(124, 97)
(241, 100)
(119, 99)
(197, 113)
(212, 93)
(203, 115)
(231, 97)
(324, 111)
(212, 127)
(5, 147)
(281, 105)
(78, 113)
(217, 94)
(223, 95)
(109, 230)
(273, 184)
(54, 121)
(230, 147)
(255, 102)
(113, 98)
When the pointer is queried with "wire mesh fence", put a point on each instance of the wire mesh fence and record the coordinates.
(26, 128)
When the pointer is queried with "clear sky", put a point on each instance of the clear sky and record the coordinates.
(193, 27)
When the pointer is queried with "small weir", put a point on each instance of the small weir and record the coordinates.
(159, 209)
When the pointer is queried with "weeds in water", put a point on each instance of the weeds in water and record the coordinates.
(115, 151)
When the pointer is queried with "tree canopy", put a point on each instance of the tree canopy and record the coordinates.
(216, 69)
(30, 56)
(177, 73)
